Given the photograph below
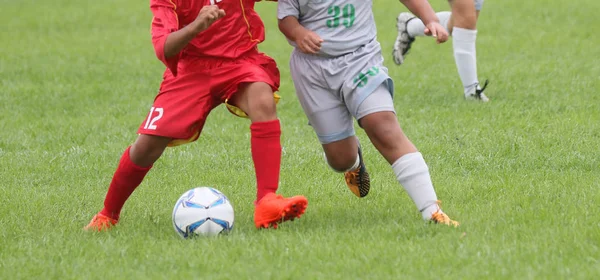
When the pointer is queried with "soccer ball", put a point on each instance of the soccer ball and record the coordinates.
(202, 211)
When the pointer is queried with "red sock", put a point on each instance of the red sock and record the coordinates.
(127, 177)
(266, 154)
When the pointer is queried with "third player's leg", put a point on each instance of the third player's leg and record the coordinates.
(463, 26)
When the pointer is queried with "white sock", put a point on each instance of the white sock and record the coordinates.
(415, 27)
(356, 164)
(465, 56)
(413, 174)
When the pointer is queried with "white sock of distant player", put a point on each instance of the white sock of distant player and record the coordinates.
(415, 27)
(413, 174)
(465, 55)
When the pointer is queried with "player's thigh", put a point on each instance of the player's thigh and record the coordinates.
(248, 85)
(377, 115)
(180, 109)
(335, 130)
(328, 115)
(324, 107)
(380, 100)
(331, 125)
(381, 125)
(364, 82)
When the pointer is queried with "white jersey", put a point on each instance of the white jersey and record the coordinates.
(344, 25)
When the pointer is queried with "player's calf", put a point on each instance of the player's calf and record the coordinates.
(135, 163)
(387, 136)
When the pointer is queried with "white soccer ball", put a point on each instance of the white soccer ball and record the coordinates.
(202, 211)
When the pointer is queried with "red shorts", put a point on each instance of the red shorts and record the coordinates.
(184, 102)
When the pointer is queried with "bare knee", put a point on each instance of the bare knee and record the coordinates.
(341, 155)
(262, 107)
(147, 149)
(464, 15)
(341, 162)
(468, 22)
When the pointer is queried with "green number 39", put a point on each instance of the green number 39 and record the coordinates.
(347, 16)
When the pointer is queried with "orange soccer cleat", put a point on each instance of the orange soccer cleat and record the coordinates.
(100, 222)
(273, 209)
(440, 217)
(358, 180)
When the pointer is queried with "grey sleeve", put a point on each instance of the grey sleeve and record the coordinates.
(287, 8)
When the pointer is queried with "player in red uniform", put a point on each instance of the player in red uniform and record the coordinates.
(210, 50)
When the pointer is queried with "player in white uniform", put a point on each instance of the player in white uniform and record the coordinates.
(462, 24)
(338, 72)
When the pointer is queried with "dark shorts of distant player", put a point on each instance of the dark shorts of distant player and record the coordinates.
(183, 103)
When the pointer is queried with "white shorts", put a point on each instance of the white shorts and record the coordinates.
(478, 5)
(333, 91)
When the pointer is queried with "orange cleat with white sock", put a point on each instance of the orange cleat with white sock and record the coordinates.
(439, 217)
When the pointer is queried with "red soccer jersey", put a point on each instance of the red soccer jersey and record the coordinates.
(230, 37)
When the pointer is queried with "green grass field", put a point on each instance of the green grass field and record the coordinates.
(520, 173)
